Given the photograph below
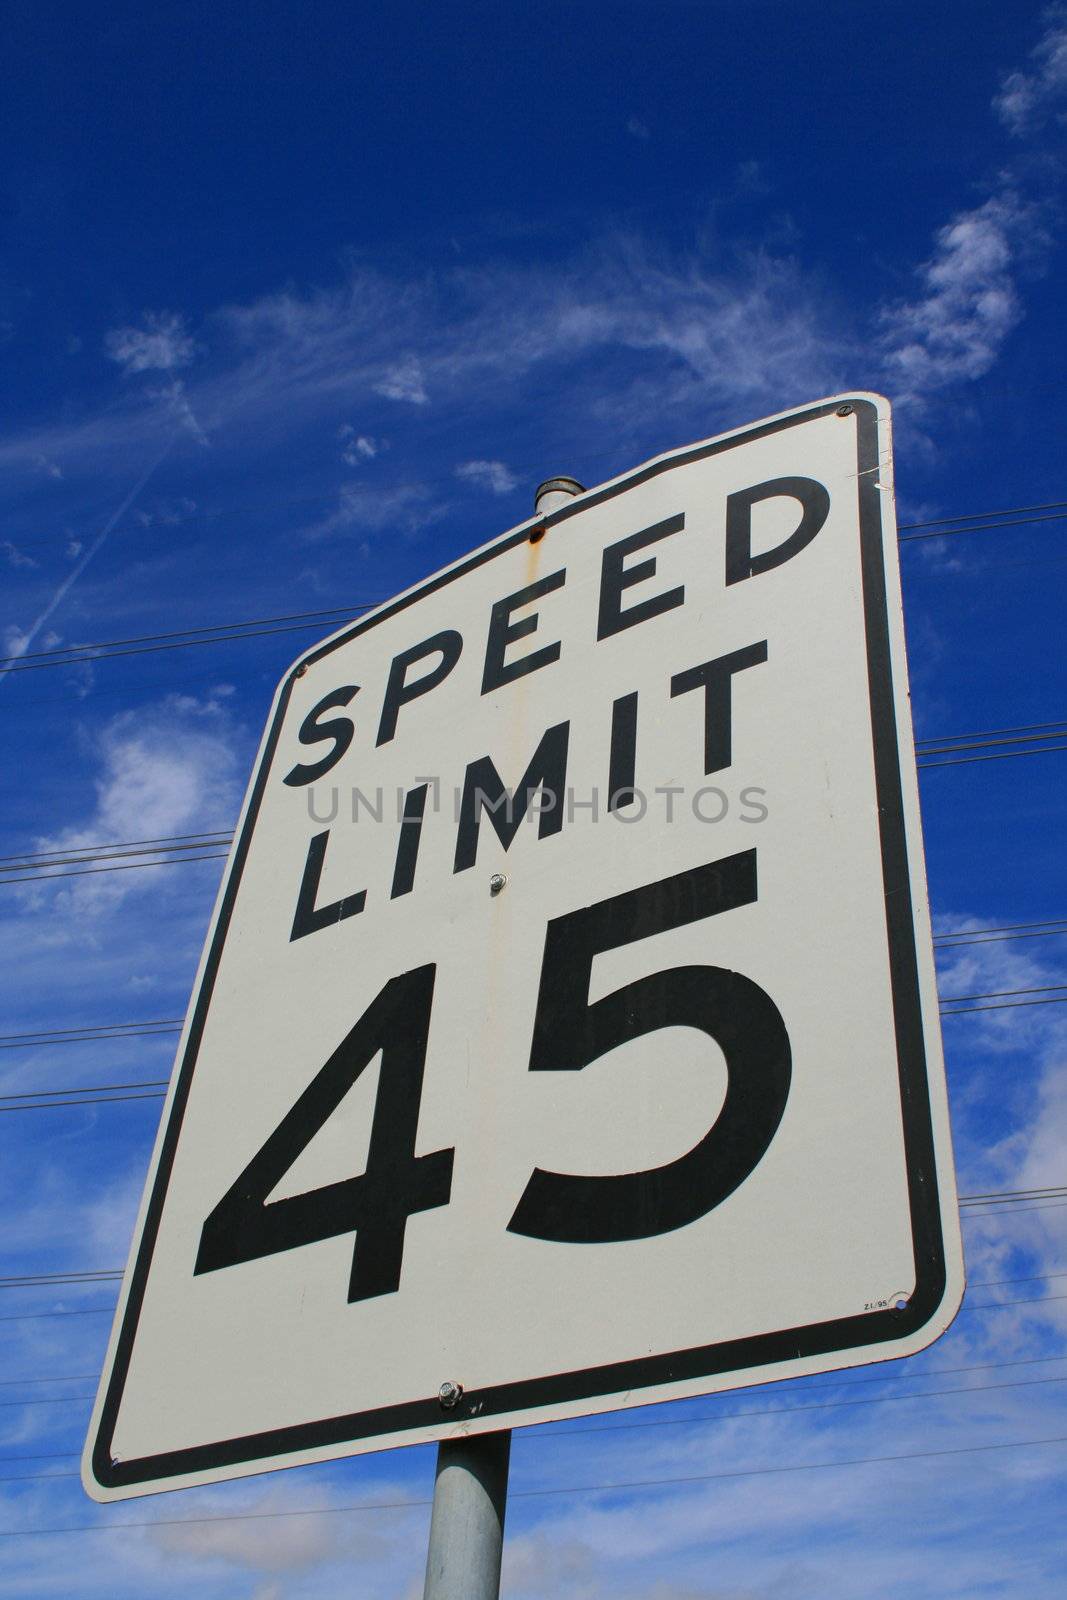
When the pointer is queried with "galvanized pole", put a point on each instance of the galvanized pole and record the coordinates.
(471, 1487)
(555, 492)
(467, 1526)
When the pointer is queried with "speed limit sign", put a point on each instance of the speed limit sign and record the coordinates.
(566, 1033)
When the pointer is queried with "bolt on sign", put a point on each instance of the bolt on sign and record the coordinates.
(566, 1033)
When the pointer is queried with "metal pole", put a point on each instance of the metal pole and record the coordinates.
(467, 1526)
(555, 492)
(471, 1488)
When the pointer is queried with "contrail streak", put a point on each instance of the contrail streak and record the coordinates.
(72, 577)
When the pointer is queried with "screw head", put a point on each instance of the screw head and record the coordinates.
(845, 410)
(301, 669)
(449, 1393)
(497, 882)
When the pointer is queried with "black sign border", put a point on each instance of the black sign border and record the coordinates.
(867, 1330)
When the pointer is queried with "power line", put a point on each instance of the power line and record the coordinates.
(87, 1033)
(99, 1100)
(111, 844)
(946, 942)
(526, 1437)
(988, 733)
(181, 847)
(993, 994)
(133, 1030)
(104, 1093)
(96, 1088)
(980, 527)
(525, 1494)
(1015, 1210)
(960, 935)
(182, 633)
(133, 866)
(113, 855)
(1007, 755)
(41, 1316)
(288, 622)
(48, 1280)
(78, 1036)
(826, 1383)
(92, 653)
(99, 1274)
(934, 748)
(1005, 1005)
(1055, 1192)
(976, 516)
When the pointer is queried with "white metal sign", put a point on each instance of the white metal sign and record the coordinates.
(566, 1034)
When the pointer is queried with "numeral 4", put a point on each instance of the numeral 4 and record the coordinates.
(397, 1183)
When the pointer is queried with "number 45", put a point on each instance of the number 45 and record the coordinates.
(568, 1034)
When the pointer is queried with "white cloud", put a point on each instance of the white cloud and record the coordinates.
(968, 303)
(49, 468)
(160, 345)
(166, 513)
(290, 1544)
(1026, 98)
(14, 556)
(640, 342)
(404, 381)
(163, 770)
(491, 475)
(358, 447)
(173, 397)
(405, 509)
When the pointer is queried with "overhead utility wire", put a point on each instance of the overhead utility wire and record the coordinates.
(184, 846)
(528, 1437)
(288, 622)
(186, 638)
(960, 935)
(100, 1274)
(182, 644)
(118, 1030)
(852, 1383)
(527, 1494)
(167, 839)
(59, 860)
(132, 866)
(104, 1091)
(981, 527)
(87, 1033)
(975, 516)
(182, 633)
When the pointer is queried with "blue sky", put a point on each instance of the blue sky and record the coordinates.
(296, 305)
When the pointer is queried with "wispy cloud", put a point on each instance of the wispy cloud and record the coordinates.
(174, 399)
(968, 300)
(644, 340)
(491, 475)
(166, 769)
(14, 556)
(967, 304)
(160, 344)
(404, 509)
(404, 381)
(1027, 98)
(357, 447)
